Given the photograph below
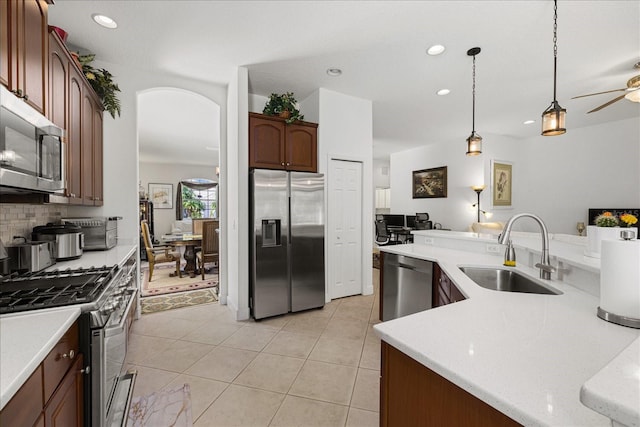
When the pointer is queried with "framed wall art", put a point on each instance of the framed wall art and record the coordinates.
(430, 183)
(501, 183)
(161, 195)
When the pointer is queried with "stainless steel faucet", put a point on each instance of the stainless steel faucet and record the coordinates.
(545, 264)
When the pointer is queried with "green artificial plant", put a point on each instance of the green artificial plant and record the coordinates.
(284, 105)
(102, 83)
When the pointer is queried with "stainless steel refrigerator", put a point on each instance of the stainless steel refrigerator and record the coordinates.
(287, 242)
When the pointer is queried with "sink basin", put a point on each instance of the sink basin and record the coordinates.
(506, 280)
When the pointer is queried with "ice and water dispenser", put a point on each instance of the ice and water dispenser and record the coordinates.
(271, 235)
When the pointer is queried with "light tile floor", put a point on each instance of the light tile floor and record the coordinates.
(315, 368)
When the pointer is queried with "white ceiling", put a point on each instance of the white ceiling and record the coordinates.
(380, 46)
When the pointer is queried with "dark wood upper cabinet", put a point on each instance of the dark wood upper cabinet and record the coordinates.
(58, 81)
(5, 31)
(274, 144)
(24, 50)
(74, 139)
(98, 194)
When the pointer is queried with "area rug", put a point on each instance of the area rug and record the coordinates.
(163, 284)
(179, 300)
(162, 408)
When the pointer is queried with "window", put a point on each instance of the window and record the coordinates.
(199, 202)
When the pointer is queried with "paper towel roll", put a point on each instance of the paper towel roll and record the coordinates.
(620, 277)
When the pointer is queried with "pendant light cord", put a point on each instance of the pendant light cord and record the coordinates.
(473, 91)
(555, 46)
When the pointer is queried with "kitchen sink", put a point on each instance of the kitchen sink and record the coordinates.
(506, 280)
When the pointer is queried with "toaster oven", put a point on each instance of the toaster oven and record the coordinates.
(100, 233)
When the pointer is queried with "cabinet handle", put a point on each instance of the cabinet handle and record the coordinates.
(25, 97)
(86, 370)
(17, 92)
(288, 164)
(282, 164)
(70, 355)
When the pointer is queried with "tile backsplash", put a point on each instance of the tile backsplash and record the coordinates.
(19, 219)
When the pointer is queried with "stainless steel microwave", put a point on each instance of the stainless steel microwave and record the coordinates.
(31, 149)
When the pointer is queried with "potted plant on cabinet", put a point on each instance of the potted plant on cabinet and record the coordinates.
(102, 83)
(284, 106)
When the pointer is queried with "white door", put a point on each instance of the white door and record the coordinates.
(345, 228)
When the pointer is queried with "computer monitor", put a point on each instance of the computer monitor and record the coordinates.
(411, 221)
(394, 220)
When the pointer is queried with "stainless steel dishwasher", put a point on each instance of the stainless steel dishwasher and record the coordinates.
(407, 286)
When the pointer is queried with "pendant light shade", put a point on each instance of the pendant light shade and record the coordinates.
(474, 142)
(553, 118)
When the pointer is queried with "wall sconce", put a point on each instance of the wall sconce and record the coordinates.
(478, 189)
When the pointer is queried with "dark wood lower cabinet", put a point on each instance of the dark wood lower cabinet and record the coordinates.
(65, 407)
(413, 395)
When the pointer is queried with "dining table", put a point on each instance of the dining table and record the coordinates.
(189, 242)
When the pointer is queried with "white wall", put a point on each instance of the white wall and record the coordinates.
(170, 174)
(236, 220)
(121, 143)
(381, 173)
(558, 178)
(257, 103)
(345, 131)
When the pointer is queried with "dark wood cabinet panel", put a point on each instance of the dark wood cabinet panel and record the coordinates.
(98, 193)
(5, 31)
(413, 395)
(25, 406)
(24, 50)
(59, 360)
(87, 148)
(444, 290)
(58, 81)
(74, 138)
(301, 148)
(274, 144)
(65, 407)
(266, 143)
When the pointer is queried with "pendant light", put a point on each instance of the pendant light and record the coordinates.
(474, 142)
(554, 116)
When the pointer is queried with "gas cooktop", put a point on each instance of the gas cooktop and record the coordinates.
(53, 288)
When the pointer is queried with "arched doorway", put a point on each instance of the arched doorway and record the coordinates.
(178, 140)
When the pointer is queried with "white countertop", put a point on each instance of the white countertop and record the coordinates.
(615, 390)
(526, 355)
(25, 340)
(27, 337)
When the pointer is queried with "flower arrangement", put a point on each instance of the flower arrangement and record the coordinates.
(628, 219)
(606, 219)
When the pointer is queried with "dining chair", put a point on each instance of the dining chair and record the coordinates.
(209, 252)
(158, 254)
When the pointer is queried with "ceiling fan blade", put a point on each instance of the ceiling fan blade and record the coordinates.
(606, 104)
(599, 93)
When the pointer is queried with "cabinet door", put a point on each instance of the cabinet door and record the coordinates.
(266, 143)
(86, 130)
(5, 53)
(58, 81)
(32, 41)
(301, 145)
(65, 407)
(98, 198)
(74, 137)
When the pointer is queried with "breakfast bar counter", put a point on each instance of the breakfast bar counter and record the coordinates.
(526, 355)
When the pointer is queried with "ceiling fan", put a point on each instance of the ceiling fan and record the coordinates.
(632, 89)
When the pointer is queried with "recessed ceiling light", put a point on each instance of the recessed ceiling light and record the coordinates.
(436, 49)
(334, 72)
(442, 92)
(104, 20)
(528, 122)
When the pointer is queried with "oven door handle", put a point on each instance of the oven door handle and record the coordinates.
(119, 328)
(118, 412)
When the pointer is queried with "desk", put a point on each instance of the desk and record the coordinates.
(189, 241)
(401, 234)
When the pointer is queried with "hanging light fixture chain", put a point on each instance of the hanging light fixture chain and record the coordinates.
(555, 46)
(473, 91)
